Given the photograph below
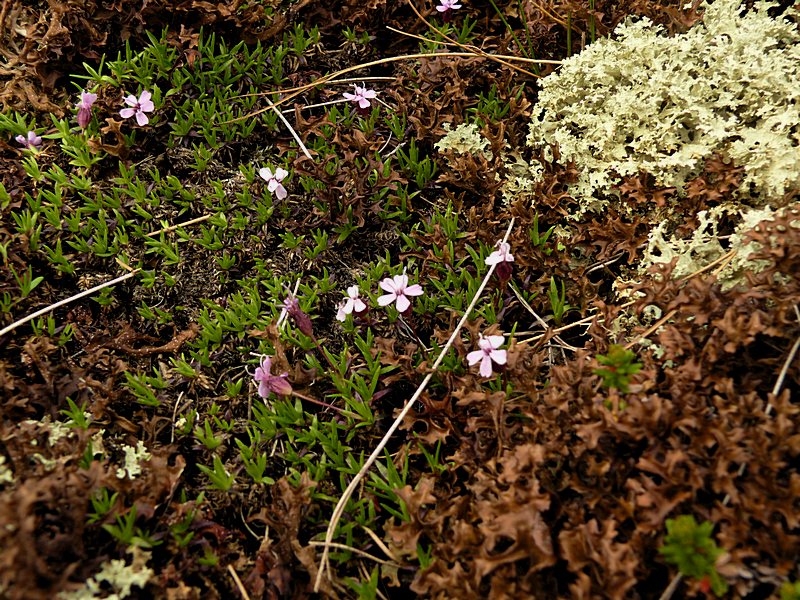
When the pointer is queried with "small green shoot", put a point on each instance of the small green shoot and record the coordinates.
(690, 547)
(220, 478)
(618, 367)
(77, 415)
(790, 590)
(558, 301)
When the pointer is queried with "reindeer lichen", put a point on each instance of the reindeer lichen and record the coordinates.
(648, 102)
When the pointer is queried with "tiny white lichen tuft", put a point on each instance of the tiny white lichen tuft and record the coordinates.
(133, 459)
(6, 474)
(120, 576)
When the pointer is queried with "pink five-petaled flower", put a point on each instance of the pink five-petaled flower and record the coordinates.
(274, 184)
(32, 142)
(362, 96)
(267, 382)
(353, 304)
(503, 259)
(399, 290)
(138, 106)
(488, 353)
(85, 108)
(446, 5)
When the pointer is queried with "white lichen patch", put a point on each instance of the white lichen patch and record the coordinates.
(520, 178)
(120, 576)
(133, 459)
(98, 448)
(6, 474)
(704, 246)
(648, 102)
(56, 430)
(49, 464)
(464, 138)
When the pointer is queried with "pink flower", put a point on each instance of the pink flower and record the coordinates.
(446, 5)
(503, 259)
(85, 108)
(267, 382)
(32, 142)
(138, 107)
(361, 96)
(352, 304)
(399, 290)
(274, 184)
(500, 255)
(488, 353)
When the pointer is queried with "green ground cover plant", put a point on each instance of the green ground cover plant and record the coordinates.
(392, 299)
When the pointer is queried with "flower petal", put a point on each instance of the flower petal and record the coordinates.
(486, 367)
(145, 97)
(403, 303)
(130, 100)
(363, 103)
(280, 173)
(341, 315)
(495, 340)
(414, 290)
(499, 356)
(280, 192)
(127, 113)
(474, 356)
(388, 285)
(141, 118)
(358, 305)
(387, 299)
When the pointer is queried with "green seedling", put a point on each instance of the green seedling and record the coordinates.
(102, 504)
(219, 476)
(77, 415)
(618, 368)
(558, 301)
(125, 531)
(692, 550)
(540, 239)
(26, 282)
(206, 436)
(422, 170)
(141, 386)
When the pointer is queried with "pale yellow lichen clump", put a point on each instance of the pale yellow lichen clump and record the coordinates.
(705, 246)
(648, 102)
(464, 138)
